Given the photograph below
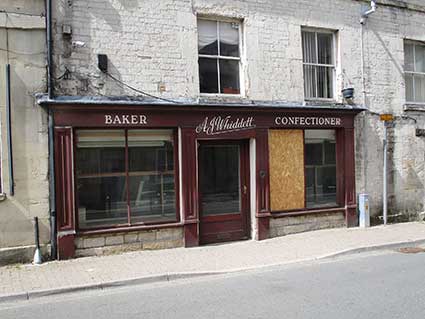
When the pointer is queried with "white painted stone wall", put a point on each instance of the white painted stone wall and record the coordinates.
(22, 45)
(152, 44)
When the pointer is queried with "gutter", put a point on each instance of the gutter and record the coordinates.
(74, 102)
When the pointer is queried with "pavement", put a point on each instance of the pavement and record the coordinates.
(22, 282)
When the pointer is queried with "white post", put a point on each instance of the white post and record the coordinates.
(385, 174)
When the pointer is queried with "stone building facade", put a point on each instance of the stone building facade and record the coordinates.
(23, 47)
(152, 46)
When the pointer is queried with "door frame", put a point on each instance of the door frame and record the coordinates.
(245, 195)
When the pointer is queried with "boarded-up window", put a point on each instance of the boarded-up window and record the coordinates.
(286, 154)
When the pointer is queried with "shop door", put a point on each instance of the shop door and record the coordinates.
(223, 185)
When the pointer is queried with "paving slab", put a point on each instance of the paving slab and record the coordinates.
(29, 281)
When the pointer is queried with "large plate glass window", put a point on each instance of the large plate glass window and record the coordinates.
(219, 56)
(320, 167)
(124, 177)
(414, 70)
(318, 64)
(151, 176)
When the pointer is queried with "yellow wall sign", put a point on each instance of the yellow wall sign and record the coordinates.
(386, 117)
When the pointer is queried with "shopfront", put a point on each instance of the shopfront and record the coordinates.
(160, 176)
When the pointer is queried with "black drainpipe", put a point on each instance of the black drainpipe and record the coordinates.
(9, 131)
(52, 188)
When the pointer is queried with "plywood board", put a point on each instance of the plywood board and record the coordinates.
(286, 156)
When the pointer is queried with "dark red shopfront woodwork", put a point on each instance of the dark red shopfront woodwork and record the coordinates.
(66, 246)
(189, 189)
(263, 184)
(195, 123)
(223, 190)
(63, 172)
(195, 117)
(64, 192)
(340, 168)
(350, 182)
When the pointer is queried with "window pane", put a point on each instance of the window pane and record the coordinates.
(419, 58)
(309, 47)
(310, 81)
(208, 76)
(310, 183)
(229, 39)
(320, 155)
(325, 48)
(330, 152)
(324, 82)
(207, 37)
(219, 179)
(313, 154)
(326, 185)
(408, 57)
(419, 88)
(151, 176)
(229, 76)
(101, 178)
(409, 88)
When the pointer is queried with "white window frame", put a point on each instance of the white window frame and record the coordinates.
(413, 73)
(241, 58)
(334, 65)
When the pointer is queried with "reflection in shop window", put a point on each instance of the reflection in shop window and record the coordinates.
(320, 166)
(109, 161)
(151, 176)
(219, 179)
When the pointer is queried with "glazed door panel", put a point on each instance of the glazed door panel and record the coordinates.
(223, 191)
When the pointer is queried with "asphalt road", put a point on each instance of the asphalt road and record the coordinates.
(385, 285)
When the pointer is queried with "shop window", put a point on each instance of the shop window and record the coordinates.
(318, 64)
(219, 56)
(320, 168)
(125, 177)
(414, 70)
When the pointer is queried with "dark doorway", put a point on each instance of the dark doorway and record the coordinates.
(223, 191)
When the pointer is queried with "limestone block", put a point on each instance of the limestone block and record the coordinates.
(92, 242)
(163, 244)
(169, 233)
(79, 242)
(147, 236)
(131, 238)
(114, 240)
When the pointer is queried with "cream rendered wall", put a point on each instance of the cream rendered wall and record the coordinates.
(22, 45)
(152, 44)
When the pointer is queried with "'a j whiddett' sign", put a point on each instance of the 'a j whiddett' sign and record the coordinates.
(220, 125)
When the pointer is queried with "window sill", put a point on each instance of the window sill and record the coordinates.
(414, 106)
(221, 96)
(319, 101)
(2, 197)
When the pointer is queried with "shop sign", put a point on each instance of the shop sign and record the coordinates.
(386, 117)
(125, 119)
(219, 125)
(307, 121)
